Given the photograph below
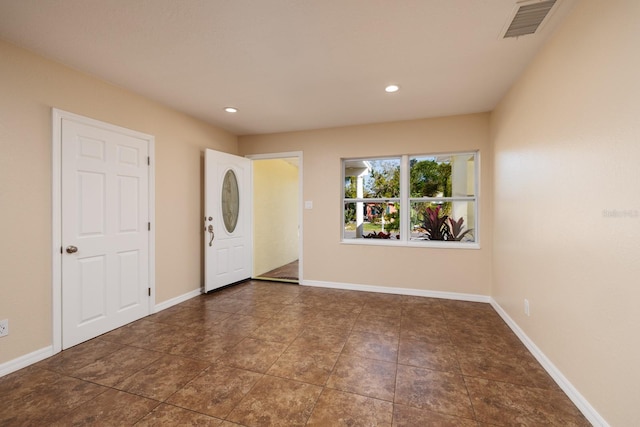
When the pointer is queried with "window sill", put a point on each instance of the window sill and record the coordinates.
(410, 244)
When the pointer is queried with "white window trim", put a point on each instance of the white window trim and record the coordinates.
(405, 201)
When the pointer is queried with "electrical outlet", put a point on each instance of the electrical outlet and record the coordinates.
(4, 327)
(526, 307)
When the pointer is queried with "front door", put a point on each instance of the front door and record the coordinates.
(228, 241)
(105, 228)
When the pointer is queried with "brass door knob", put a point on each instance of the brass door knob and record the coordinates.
(72, 249)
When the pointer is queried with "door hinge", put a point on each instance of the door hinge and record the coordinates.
(148, 160)
(149, 291)
(149, 226)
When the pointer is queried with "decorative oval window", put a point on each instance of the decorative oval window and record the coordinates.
(230, 201)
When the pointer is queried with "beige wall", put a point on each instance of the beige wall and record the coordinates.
(567, 144)
(327, 260)
(29, 87)
(276, 211)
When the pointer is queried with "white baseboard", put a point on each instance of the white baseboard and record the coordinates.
(177, 300)
(26, 360)
(578, 399)
(398, 291)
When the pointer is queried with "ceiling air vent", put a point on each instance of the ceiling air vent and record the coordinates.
(528, 17)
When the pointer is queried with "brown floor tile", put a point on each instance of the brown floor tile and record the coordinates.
(288, 271)
(71, 360)
(320, 337)
(339, 409)
(536, 373)
(262, 309)
(206, 347)
(471, 337)
(408, 300)
(333, 318)
(45, 406)
(493, 364)
(237, 324)
(170, 314)
(133, 331)
(216, 391)
(382, 309)
(276, 402)
(406, 416)
(111, 408)
(302, 364)
(197, 317)
(483, 326)
(509, 404)
(297, 312)
(184, 315)
(254, 355)
(168, 415)
(424, 303)
(163, 377)
(367, 377)
(471, 313)
(429, 360)
(437, 391)
(372, 346)
(432, 330)
(369, 322)
(112, 369)
(278, 330)
(423, 313)
(436, 356)
(229, 304)
(164, 340)
(19, 384)
(451, 304)
(380, 299)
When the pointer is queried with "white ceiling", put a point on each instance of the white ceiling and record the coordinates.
(288, 64)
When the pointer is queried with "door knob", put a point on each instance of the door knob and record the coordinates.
(72, 249)
(211, 233)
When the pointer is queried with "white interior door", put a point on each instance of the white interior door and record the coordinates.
(228, 240)
(105, 229)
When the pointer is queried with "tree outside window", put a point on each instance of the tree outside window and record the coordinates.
(434, 194)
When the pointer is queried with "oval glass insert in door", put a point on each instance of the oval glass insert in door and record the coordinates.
(230, 201)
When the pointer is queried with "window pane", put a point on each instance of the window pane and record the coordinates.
(371, 220)
(451, 175)
(443, 221)
(379, 178)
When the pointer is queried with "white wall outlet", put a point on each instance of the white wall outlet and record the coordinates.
(526, 307)
(4, 327)
(308, 204)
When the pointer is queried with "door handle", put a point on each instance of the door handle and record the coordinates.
(210, 230)
(72, 249)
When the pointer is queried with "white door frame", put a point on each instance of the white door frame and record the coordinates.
(56, 213)
(285, 155)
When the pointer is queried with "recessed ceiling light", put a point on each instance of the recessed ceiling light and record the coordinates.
(231, 110)
(392, 88)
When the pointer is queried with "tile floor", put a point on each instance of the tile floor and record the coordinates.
(287, 273)
(273, 354)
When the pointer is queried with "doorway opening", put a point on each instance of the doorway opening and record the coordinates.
(277, 217)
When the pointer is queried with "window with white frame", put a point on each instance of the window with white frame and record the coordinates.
(427, 200)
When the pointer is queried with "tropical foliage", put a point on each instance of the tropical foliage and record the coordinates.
(439, 226)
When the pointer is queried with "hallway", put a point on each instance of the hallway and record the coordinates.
(285, 273)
